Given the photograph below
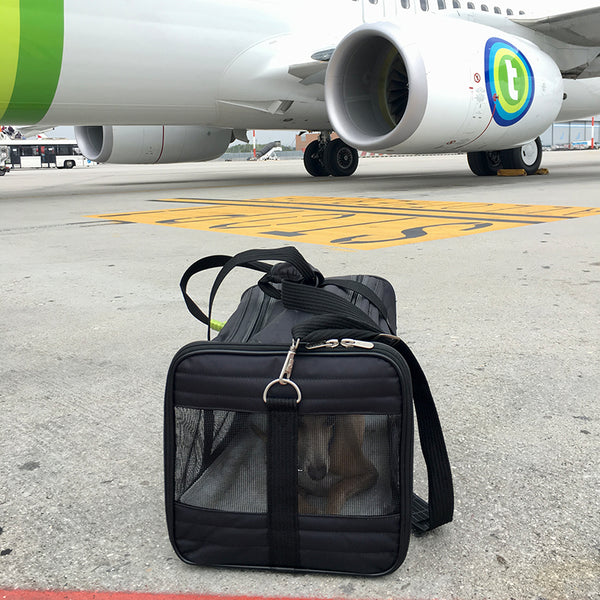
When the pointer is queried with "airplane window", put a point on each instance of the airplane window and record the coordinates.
(373, 1)
(470, 5)
(424, 4)
(455, 4)
(405, 3)
(442, 4)
(484, 8)
(509, 11)
(497, 10)
(521, 12)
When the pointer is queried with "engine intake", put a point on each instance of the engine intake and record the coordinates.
(375, 89)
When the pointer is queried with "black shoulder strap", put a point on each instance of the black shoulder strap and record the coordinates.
(440, 508)
(360, 288)
(315, 300)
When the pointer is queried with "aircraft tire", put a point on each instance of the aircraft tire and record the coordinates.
(527, 157)
(340, 159)
(313, 162)
(484, 164)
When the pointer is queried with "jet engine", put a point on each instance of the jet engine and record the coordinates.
(439, 85)
(126, 144)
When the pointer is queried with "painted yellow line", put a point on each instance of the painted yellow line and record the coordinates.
(350, 223)
(9, 50)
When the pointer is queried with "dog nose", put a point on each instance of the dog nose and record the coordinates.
(317, 472)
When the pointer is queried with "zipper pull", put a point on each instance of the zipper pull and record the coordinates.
(325, 344)
(348, 343)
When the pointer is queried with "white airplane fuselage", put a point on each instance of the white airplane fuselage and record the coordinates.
(189, 62)
(469, 80)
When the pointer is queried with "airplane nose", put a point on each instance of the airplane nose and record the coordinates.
(317, 472)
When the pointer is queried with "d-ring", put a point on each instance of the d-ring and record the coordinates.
(283, 382)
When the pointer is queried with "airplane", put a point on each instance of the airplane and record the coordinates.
(148, 81)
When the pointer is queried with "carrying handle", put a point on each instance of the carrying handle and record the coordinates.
(249, 259)
(209, 262)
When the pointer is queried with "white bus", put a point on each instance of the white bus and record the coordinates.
(43, 152)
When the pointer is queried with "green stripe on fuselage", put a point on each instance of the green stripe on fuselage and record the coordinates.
(9, 50)
(39, 63)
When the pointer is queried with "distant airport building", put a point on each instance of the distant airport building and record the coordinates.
(572, 135)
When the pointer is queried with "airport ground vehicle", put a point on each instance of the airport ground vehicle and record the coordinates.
(43, 152)
(3, 157)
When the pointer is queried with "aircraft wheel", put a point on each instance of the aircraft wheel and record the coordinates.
(528, 157)
(484, 163)
(2, 171)
(313, 161)
(340, 159)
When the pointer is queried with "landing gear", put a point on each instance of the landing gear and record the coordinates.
(325, 157)
(527, 157)
(313, 160)
(484, 163)
(340, 159)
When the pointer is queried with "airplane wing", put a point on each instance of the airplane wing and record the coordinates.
(581, 28)
(578, 28)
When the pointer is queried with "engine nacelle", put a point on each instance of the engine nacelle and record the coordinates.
(388, 88)
(126, 144)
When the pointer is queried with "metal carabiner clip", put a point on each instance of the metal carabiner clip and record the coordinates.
(286, 372)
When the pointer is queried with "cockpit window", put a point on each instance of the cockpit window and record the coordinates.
(471, 5)
(509, 11)
(442, 4)
(484, 8)
(405, 3)
(424, 4)
(455, 4)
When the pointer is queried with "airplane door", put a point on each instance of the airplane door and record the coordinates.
(375, 10)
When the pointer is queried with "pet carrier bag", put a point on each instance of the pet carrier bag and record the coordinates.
(289, 438)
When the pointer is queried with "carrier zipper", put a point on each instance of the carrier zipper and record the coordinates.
(345, 343)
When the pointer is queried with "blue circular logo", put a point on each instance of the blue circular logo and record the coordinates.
(509, 82)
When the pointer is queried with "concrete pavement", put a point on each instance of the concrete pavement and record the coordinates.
(505, 322)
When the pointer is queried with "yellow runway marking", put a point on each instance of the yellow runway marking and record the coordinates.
(351, 223)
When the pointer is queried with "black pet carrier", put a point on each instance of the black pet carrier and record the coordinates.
(289, 438)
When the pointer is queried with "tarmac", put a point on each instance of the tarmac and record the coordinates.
(498, 295)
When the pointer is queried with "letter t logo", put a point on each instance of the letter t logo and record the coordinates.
(511, 73)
